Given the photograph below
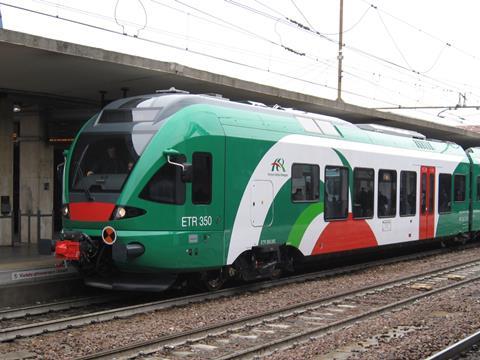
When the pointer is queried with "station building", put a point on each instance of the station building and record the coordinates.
(49, 88)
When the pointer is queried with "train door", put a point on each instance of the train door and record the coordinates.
(427, 202)
(261, 196)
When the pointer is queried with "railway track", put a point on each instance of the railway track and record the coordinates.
(282, 328)
(50, 325)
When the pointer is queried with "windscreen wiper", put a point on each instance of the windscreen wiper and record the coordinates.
(85, 187)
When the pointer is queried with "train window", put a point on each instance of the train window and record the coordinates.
(363, 180)
(408, 193)
(128, 115)
(444, 193)
(101, 163)
(202, 178)
(478, 188)
(387, 193)
(308, 125)
(305, 182)
(336, 192)
(166, 186)
(459, 187)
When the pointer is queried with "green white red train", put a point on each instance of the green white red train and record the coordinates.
(172, 183)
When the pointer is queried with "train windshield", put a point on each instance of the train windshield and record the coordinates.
(102, 163)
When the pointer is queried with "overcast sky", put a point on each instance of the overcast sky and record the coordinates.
(397, 53)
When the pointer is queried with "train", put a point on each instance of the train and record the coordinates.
(162, 185)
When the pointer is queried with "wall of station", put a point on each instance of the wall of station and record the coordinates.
(36, 178)
(6, 166)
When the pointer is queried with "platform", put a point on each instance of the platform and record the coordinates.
(27, 277)
(22, 263)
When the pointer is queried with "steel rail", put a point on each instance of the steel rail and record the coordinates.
(455, 350)
(152, 346)
(39, 309)
(27, 330)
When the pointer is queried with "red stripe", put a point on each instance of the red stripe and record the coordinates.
(345, 235)
(91, 211)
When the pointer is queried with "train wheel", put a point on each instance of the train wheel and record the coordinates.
(461, 239)
(214, 279)
(276, 273)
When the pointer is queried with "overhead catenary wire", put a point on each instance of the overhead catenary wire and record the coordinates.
(403, 55)
(377, 58)
(351, 27)
(225, 24)
(237, 49)
(290, 23)
(259, 12)
(394, 42)
(432, 36)
(302, 14)
(243, 64)
(220, 45)
(261, 37)
(169, 33)
(253, 67)
(311, 29)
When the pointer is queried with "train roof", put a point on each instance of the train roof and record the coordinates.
(151, 109)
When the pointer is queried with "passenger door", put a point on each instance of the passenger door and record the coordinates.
(427, 202)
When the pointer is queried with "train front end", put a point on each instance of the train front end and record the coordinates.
(101, 228)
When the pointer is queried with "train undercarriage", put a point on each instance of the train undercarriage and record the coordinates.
(95, 261)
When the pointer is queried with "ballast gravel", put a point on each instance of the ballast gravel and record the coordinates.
(414, 332)
(462, 315)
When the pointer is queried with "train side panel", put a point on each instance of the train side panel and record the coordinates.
(303, 225)
(248, 139)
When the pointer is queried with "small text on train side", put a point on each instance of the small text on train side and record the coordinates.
(188, 221)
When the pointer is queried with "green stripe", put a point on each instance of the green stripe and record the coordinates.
(302, 222)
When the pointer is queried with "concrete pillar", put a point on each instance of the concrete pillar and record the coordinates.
(6, 165)
(36, 177)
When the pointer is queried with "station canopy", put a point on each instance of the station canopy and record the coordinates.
(68, 79)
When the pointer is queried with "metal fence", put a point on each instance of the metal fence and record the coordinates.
(30, 216)
(12, 226)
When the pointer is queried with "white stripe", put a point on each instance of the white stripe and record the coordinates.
(319, 150)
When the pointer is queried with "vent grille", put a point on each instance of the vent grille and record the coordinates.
(424, 145)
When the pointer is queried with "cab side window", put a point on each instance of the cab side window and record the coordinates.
(166, 186)
(202, 178)
(459, 187)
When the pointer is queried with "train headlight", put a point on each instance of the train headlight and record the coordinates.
(124, 212)
(65, 211)
(120, 213)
